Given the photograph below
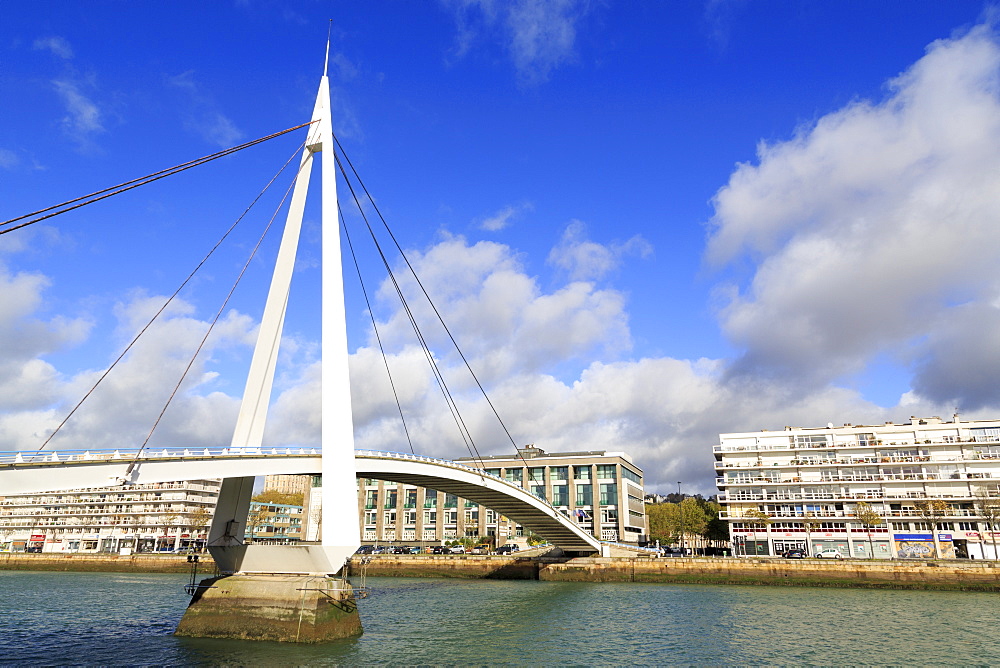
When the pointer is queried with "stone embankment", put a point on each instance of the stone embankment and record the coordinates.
(896, 574)
(111, 563)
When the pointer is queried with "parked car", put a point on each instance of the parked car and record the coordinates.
(481, 549)
(829, 554)
(365, 549)
(456, 549)
(794, 554)
(509, 548)
(440, 549)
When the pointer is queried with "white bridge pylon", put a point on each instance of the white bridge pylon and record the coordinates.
(58, 471)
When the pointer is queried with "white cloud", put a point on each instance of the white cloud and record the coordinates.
(502, 318)
(83, 119)
(869, 226)
(502, 218)
(8, 159)
(583, 259)
(203, 116)
(56, 45)
(539, 35)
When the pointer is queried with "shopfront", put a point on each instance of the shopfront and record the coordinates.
(921, 546)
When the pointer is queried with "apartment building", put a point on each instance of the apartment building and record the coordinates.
(601, 491)
(274, 523)
(153, 517)
(909, 490)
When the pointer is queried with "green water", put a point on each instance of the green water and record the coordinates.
(118, 619)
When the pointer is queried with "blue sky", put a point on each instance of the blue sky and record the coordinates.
(647, 223)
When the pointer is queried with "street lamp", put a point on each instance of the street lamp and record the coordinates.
(680, 509)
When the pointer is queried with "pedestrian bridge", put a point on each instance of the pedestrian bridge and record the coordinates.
(22, 472)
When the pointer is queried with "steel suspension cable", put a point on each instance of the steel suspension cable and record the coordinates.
(135, 183)
(430, 301)
(438, 376)
(167, 303)
(218, 315)
(385, 358)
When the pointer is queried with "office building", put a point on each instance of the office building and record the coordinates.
(601, 491)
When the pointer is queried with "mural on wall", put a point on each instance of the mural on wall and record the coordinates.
(921, 546)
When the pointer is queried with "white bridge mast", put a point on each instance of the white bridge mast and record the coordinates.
(339, 516)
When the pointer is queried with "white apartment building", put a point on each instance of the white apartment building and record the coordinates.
(809, 481)
(155, 517)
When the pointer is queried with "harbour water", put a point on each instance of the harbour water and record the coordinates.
(121, 619)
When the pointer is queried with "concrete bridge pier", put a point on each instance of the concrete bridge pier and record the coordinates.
(281, 593)
(282, 608)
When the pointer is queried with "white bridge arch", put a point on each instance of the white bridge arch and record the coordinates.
(56, 471)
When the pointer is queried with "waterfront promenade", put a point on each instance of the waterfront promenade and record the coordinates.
(960, 575)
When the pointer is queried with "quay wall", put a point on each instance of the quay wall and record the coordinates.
(896, 574)
(110, 563)
(937, 575)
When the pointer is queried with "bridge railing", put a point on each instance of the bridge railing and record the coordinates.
(93, 455)
(57, 457)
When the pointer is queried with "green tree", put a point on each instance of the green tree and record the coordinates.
(758, 518)
(198, 519)
(272, 496)
(810, 523)
(869, 519)
(255, 519)
(932, 511)
(693, 519)
(716, 530)
(664, 522)
(987, 502)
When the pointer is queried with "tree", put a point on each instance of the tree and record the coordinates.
(198, 519)
(866, 515)
(272, 496)
(988, 506)
(932, 511)
(255, 518)
(810, 523)
(664, 521)
(758, 518)
(716, 530)
(693, 519)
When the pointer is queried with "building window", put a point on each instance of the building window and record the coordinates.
(606, 472)
(430, 516)
(409, 517)
(811, 441)
(389, 517)
(581, 473)
(629, 474)
(609, 494)
(559, 473)
(968, 526)
(494, 472)
(513, 475)
(560, 495)
(539, 491)
(411, 498)
(584, 495)
(536, 474)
